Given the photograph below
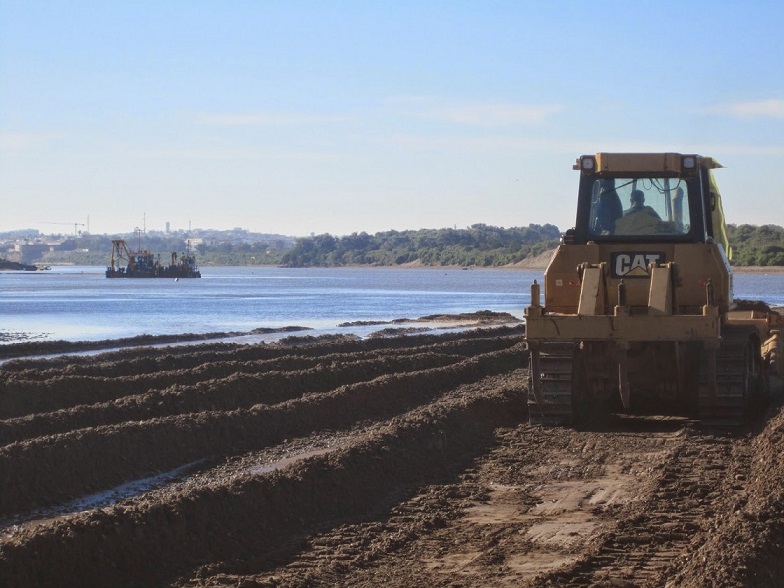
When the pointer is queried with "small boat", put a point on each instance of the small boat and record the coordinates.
(144, 264)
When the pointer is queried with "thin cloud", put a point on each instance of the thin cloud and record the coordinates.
(487, 144)
(26, 141)
(753, 109)
(493, 114)
(236, 155)
(410, 100)
(482, 115)
(267, 119)
(727, 149)
(573, 147)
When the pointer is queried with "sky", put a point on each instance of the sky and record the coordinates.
(308, 117)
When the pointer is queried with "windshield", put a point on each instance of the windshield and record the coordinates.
(639, 206)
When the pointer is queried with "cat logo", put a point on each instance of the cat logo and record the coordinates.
(634, 264)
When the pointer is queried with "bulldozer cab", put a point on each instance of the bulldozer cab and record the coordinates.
(643, 197)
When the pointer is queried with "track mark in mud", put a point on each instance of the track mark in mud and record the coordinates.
(741, 545)
(549, 506)
(677, 507)
(533, 509)
(680, 491)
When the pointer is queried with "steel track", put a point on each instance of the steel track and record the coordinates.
(737, 376)
(556, 364)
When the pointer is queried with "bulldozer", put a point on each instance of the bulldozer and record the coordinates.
(639, 315)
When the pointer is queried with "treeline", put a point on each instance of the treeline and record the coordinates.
(478, 245)
(227, 253)
(752, 245)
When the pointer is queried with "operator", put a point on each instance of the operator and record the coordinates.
(608, 208)
(639, 219)
(677, 209)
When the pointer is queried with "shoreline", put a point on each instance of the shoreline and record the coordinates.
(18, 346)
(537, 262)
(758, 269)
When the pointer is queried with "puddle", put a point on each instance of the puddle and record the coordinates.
(99, 499)
(287, 461)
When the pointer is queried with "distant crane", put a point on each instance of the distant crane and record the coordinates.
(75, 226)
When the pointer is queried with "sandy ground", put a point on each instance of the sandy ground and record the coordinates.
(403, 461)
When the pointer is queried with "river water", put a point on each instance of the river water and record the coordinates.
(77, 303)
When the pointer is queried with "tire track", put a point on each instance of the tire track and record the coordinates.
(681, 502)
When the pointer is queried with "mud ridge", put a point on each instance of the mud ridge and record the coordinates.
(135, 545)
(21, 395)
(237, 390)
(139, 359)
(88, 460)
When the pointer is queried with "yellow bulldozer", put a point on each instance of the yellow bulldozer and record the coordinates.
(639, 314)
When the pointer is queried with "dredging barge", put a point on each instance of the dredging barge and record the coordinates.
(144, 264)
(6, 265)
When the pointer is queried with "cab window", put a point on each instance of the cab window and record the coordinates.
(639, 206)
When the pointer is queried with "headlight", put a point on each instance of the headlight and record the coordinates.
(586, 163)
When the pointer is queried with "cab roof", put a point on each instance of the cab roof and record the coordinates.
(666, 163)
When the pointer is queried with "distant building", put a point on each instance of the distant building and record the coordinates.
(26, 252)
(30, 252)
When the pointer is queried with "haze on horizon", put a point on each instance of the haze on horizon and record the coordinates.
(299, 117)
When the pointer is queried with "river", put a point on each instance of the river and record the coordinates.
(77, 303)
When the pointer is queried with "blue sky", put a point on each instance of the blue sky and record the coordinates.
(301, 117)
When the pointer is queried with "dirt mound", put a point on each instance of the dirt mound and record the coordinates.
(395, 460)
(540, 261)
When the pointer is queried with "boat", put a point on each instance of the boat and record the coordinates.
(144, 264)
(6, 265)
